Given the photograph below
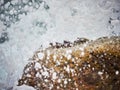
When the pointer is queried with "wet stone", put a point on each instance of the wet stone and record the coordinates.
(97, 69)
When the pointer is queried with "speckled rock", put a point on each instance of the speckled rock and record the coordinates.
(78, 65)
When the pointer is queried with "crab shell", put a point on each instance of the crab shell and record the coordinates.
(88, 65)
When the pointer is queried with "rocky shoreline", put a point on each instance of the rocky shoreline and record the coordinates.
(80, 65)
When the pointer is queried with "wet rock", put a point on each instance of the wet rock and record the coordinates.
(94, 65)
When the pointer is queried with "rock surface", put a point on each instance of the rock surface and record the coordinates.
(88, 65)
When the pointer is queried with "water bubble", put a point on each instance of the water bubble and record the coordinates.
(46, 6)
(30, 3)
(7, 5)
(10, 7)
(110, 26)
(73, 12)
(113, 33)
(13, 2)
(104, 4)
(118, 17)
(115, 10)
(25, 1)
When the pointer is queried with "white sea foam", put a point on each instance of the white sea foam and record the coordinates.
(64, 20)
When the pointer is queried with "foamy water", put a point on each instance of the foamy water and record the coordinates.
(31, 24)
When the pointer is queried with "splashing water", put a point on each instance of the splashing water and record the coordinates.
(27, 24)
